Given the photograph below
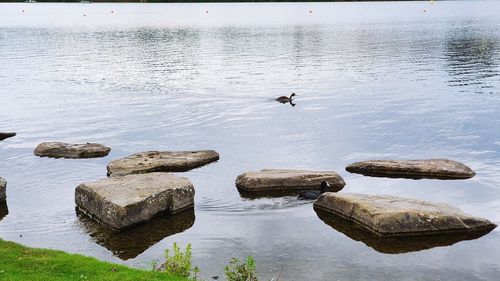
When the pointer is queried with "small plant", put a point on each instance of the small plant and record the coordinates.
(179, 263)
(240, 271)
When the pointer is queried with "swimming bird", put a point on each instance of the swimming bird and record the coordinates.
(314, 194)
(285, 99)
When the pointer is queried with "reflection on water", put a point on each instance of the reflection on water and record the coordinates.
(291, 194)
(471, 60)
(394, 245)
(4, 211)
(377, 174)
(132, 242)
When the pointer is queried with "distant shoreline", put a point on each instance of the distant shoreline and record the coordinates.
(210, 1)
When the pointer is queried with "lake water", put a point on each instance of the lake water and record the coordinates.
(374, 80)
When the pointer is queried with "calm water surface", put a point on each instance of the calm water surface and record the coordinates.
(374, 80)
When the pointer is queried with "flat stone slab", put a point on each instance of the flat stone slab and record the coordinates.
(414, 169)
(3, 187)
(6, 135)
(394, 244)
(272, 180)
(121, 202)
(67, 150)
(161, 161)
(397, 216)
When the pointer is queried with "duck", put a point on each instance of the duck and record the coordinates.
(314, 194)
(285, 99)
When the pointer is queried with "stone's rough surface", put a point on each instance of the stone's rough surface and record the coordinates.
(66, 150)
(288, 180)
(415, 169)
(121, 202)
(161, 161)
(6, 135)
(3, 187)
(397, 216)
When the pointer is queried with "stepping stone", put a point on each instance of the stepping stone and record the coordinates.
(280, 180)
(397, 216)
(132, 242)
(394, 244)
(6, 135)
(67, 150)
(413, 169)
(121, 202)
(161, 161)
(3, 187)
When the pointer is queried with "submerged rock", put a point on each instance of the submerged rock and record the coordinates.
(3, 187)
(6, 135)
(67, 150)
(396, 216)
(161, 161)
(414, 169)
(394, 244)
(121, 202)
(286, 181)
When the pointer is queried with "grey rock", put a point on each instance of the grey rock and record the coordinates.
(6, 135)
(3, 189)
(414, 169)
(121, 202)
(67, 150)
(288, 180)
(394, 244)
(396, 216)
(161, 161)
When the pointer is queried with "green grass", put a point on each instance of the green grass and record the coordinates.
(22, 263)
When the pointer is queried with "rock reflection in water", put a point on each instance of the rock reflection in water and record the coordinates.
(4, 211)
(394, 245)
(132, 242)
(267, 194)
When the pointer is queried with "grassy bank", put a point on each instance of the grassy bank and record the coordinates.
(22, 263)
